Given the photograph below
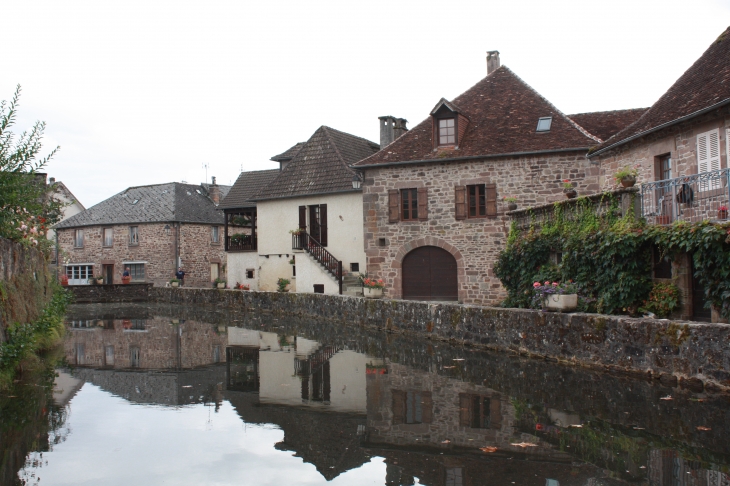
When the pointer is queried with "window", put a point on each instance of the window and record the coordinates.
(708, 158)
(136, 270)
(215, 236)
(214, 271)
(134, 235)
(479, 411)
(544, 123)
(216, 354)
(134, 357)
(412, 407)
(79, 274)
(109, 355)
(447, 132)
(249, 273)
(354, 267)
(79, 238)
(454, 476)
(107, 236)
(409, 204)
(664, 169)
(382, 242)
(477, 201)
(319, 288)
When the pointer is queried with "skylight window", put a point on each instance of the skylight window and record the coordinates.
(543, 124)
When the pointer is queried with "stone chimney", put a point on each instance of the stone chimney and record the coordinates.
(492, 61)
(391, 128)
(214, 192)
(52, 181)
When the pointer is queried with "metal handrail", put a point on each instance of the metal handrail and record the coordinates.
(305, 241)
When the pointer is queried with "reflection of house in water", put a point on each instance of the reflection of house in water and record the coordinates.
(669, 468)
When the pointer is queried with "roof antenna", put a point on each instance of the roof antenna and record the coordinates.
(206, 165)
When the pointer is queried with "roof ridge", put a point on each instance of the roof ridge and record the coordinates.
(575, 125)
(349, 135)
(606, 111)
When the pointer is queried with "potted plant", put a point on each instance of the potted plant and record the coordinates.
(219, 283)
(722, 212)
(174, 282)
(126, 279)
(371, 288)
(63, 278)
(292, 261)
(568, 189)
(555, 296)
(627, 176)
(240, 286)
(511, 202)
(99, 280)
(281, 284)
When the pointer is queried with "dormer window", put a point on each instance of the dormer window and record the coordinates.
(544, 123)
(447, 132)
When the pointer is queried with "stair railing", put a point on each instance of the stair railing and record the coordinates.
(304, 241)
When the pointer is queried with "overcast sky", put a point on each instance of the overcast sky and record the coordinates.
(145, 92)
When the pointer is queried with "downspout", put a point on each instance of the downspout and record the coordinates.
(176, 226)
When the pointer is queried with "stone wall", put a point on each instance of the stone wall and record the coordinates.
(474, 243)
(24, 284)
(156, 249)
(132, 292)
(689, 351)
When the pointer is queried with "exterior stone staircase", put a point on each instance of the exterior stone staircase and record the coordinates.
(351, 285)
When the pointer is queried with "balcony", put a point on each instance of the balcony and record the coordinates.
(691, 198)
(241, 242)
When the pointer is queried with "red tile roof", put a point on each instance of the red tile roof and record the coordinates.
(705, 84)
(604, 124)
(503, 112)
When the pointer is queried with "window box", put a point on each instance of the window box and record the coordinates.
(372, 293)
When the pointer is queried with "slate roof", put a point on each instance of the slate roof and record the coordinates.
(321, 166)
(705, 84)
(246, 186)
(288, 154)
(604, 124)
(503, 112)
(174, 201)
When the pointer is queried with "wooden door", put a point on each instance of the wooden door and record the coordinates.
(108, 273)
(429, 273)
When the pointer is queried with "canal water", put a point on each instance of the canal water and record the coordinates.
(162, 394)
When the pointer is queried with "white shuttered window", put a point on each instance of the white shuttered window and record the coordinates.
(708, 157)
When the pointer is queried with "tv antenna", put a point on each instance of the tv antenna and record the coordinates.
(206, 165)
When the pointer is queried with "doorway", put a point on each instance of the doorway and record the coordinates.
(430, 273)
(108, 272)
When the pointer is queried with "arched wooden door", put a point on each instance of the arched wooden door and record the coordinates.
(429, 273)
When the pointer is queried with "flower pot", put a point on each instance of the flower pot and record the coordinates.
(662, 219)
(174, 284)
(511, 206)
(561, 303)
(63, 279)
(372, 293)
(571, 193)
(722, 214)
(126, 280)
(221, 285)
(99, 281)
(628, 181)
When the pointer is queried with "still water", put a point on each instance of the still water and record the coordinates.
(159, 394)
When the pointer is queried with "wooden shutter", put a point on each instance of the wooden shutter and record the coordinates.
(426, 408)
(708, 157)
(464, 415)
(460, 199)
(422, 203)
(323, 224)
(303, 217)
(393, 206)
(491, 200)
(495, 412)
(399, 406)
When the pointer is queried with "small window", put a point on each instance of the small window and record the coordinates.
(79, 238)
(215, 271)
(108, 236)
(319, 288)
(136, 271)
(216, 234)
(543, 124)
(354, 267)
(447, 132)
(79, 274)
(409, 204)
(134, 235)
(249, 273)
(382, 242)
(477, 201)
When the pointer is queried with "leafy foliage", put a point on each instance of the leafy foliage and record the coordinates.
(663, 299)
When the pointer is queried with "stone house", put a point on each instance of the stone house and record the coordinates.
(150, 229)
(72, 207)
(434, 208)
(307, 220)
(680, 149)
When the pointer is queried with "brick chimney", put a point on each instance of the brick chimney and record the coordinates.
(492, 61)
(391, 128)
(214, 192)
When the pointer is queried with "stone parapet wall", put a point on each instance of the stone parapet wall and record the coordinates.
(133, 292)
(690, 352)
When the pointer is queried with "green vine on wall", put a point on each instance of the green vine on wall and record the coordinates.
(609, 256)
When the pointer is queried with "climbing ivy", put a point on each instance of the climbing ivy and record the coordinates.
(609, 256)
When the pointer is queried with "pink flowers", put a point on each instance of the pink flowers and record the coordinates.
(555, 284)
(536, 284)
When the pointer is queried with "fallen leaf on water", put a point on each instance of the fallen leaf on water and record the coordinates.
(449, 367)
(488, 449)
(187, 386)
(458, 359)
(703, 428)
(668, 397)
(576, 425)
(447, 441)
(524, 444)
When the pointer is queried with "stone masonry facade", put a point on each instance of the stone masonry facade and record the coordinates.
(474, 243)
(156, 248)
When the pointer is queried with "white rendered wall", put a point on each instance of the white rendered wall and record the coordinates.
(237, 265)
(344, 234)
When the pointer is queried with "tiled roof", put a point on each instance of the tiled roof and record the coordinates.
(289, 154)
(503, 112)
(705, 84)
(321, 166)
(246, 186)
(604, 124)
(174, 201)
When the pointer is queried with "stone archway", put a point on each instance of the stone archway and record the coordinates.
(406, 249)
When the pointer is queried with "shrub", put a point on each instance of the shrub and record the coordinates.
(663, 299)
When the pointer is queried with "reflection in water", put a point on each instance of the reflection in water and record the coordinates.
(339, 399)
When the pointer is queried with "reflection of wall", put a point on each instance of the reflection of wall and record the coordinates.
(153, 343)
(668, 468)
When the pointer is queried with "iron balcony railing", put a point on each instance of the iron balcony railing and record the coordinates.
(690, 198)
(241, 242)
(304, 241)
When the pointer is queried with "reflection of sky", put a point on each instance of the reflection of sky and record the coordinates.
(113, 442)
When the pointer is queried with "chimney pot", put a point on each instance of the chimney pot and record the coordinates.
(492, 61)
(52, 180)
(391, 128)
